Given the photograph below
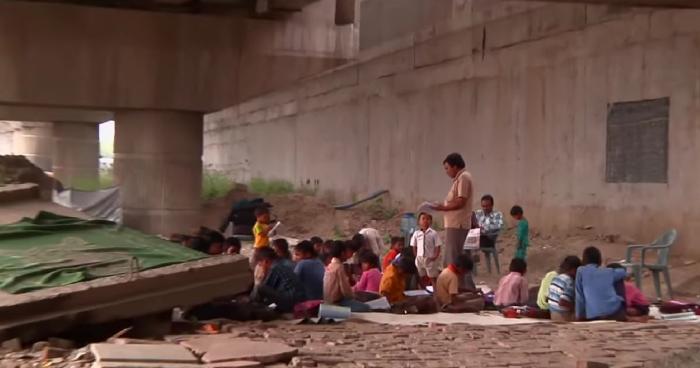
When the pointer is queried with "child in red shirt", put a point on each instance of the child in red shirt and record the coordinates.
(396, 247)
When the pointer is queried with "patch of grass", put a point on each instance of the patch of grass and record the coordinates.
(378, 210)
(266, 187)
(106, 178)
(337, 233)
(215, 184)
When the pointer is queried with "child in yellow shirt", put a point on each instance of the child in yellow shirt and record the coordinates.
(261, 229)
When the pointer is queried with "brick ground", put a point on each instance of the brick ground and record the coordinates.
(353, 344)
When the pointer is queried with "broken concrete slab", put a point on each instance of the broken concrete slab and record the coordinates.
(236, 364)
(243, 349)
(44, 313)
(200, 344)
(164, 353)
(143, 365)
(12, 345)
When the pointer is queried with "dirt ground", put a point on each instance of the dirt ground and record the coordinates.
(304, 216)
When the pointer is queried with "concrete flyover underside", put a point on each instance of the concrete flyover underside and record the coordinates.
(657, 3)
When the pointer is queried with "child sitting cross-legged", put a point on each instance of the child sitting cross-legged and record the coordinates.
(561, 294)
(309, 269)
(637, 305)
(371, 276)
(336, 284)
(512, 288)
(393, 286)
(449, 296)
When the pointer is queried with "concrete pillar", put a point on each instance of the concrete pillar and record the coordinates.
(34, 140)
(158, 166)
(76, 154)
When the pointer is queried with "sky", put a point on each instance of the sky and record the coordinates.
(107, 139)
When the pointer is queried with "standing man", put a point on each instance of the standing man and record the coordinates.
(457, 208)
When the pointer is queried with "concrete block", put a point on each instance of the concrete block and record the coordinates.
(336, 97)
(289, 108)
(422, 78)
(546, 21)
(162, 353)
(665, 23)
(236, 364)
(556, 18)
(336, 79)
(12, 345)
(445, 47)
(244, 349)
(386, 65)
(143, 365)
(51, 352)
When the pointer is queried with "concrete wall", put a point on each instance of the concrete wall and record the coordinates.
(524, 98)
(100, 58)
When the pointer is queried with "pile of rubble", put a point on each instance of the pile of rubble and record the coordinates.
(19, 170)
(224, 344)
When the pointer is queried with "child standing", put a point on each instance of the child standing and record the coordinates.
(512, 288)
(261, 229)
(561, 295)
(394, 251)
(426, 244)
(522, 232)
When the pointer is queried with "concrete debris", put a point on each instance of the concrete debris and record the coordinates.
(236, 364)
(61, 343)
(227, 349)
(156, 353)
(51, 352)
(12, 345)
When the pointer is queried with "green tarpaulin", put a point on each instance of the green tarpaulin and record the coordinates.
(51, 250)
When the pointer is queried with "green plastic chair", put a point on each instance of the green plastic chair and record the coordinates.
(662, 247)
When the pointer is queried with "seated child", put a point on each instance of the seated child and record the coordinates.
(309, 269)
(426, 244)
(232, 246)
(393, 285)
(543, 291)
(522, 232)
(512, 288)
(336, 284)
(393, 282)
(325, 255)
(397, 243)
(281, 247)
(561, 294)
(447, 293)
(216, 243)
(596, 296)
(352, 265)
(636, 303)
(371, 276)
(317, 242)
(280, 285)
